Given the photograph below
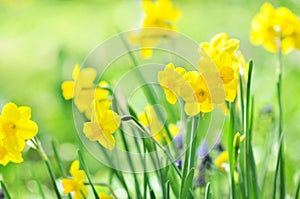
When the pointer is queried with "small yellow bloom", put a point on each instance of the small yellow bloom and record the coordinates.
(75, 184)
(274, 28)
(15, 128)
(222, 162)
(160, 14)
(104, 123)
(159, 20)
(156, 126)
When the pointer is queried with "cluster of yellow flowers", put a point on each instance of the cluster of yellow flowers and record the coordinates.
(15, 128)
(75, 184)
(160, 17)
(213, 83)
(276, 29)
(93, 100)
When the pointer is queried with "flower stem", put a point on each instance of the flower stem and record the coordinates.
(280, 157)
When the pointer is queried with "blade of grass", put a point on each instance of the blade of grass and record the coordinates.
(5, 191)
(38, 183)
(297, 190)
(81, 160)
(59, 163)
(207, 191)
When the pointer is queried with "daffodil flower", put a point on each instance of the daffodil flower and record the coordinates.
(160, 14)
(273, 26)
(15, 128)
(84, 91)
(171, 79)
(75, 184)
(104, 123)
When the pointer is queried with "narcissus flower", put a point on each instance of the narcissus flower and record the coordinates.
(224, 54)
(159, 20)
(276, 28)
(104, 123)
(200, 99)
(85, 91)
(156, 126)
(75, 184)
(171, 79)
(160, 14)
(15, 128)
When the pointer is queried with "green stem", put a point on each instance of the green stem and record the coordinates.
(193, 141)
(297, 190)
(281, 165)
(44, 157)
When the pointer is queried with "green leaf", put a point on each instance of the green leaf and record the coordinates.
(174, 181)
(152, 195)
(187, 184)
(207, 191)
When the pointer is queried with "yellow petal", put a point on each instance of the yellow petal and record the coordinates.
(92, 130)
(25, 112)
(68, 185)
(109, 122)
(76, 71)
(192, 109)
(170, 96)
(104, 196)
(74, 167)
(107, 140)
(10, 111)
(27, 129)
(68, 89)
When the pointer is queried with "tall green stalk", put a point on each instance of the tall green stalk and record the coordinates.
(281, 163)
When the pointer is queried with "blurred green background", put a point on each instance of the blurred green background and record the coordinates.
(41, 41)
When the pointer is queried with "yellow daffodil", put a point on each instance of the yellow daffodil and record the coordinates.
(156, 126)
(75, 184)
(219, 43)
(160, 14)
(15, 128)
(275, 28)
(84, 91)
(222, 161)
(224, 54)
(171, 79)
(160, 17)
(104, 196)
(104, 123)
(199, 100)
